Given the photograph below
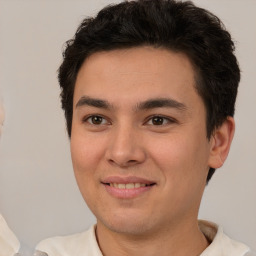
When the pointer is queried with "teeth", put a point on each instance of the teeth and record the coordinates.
(137, 185)
(127, 186)
(121, 186)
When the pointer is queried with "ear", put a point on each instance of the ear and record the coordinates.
(220, 143)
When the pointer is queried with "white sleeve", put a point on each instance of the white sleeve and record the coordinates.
(9, 244)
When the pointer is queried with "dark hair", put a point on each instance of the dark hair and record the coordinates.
(174, 25)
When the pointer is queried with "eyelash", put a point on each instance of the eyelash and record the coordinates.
(168, 120)
(165, 119)
(85, 119)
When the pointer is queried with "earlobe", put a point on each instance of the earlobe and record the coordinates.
(220, 143)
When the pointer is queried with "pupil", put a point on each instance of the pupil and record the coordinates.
(97, 120)
(157, 120)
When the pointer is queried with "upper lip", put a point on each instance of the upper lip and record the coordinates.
(127, 180)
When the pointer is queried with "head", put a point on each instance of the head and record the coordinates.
(177, 26)
(148, 90)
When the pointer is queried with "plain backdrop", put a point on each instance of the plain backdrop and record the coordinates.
(38, 193)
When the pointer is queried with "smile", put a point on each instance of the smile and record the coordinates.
(128, 185)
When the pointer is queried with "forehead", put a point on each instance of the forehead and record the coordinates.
(136, 73)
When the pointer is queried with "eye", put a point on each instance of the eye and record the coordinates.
(96, 120)
(159, 120)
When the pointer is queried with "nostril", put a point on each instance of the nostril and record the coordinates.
(132, 161)
(122, 163)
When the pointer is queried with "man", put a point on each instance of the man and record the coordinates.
(148, 91)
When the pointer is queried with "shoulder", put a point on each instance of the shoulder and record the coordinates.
(221, 244)
(84, 243)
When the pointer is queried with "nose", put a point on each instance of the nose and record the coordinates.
(125, 147)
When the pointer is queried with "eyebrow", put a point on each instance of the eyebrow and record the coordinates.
(92, 102)
(145, 105)
(161, 103)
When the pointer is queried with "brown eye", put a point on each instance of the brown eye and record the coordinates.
(158, 120)
(96, 120)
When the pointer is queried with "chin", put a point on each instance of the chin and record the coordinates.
(128, 228)
(125, 224)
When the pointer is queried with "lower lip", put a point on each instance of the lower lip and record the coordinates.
(127, 193)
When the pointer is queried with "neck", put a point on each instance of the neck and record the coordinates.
(178, 240)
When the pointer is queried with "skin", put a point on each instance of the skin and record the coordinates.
(124, 140)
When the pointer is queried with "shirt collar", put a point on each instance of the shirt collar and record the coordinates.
(220, 244)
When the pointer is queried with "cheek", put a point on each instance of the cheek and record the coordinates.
(183, 167)
(86, 152)
(169, 152)
(182, 159)
(84, 156)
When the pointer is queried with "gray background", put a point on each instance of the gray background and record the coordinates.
(38, 193)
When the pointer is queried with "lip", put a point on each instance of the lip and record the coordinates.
(127, 193)
(127, 179)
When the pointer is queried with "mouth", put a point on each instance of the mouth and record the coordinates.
(127, 187)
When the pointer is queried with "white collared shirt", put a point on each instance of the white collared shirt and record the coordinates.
(85, 244)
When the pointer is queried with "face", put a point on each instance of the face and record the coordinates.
(139, 147)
